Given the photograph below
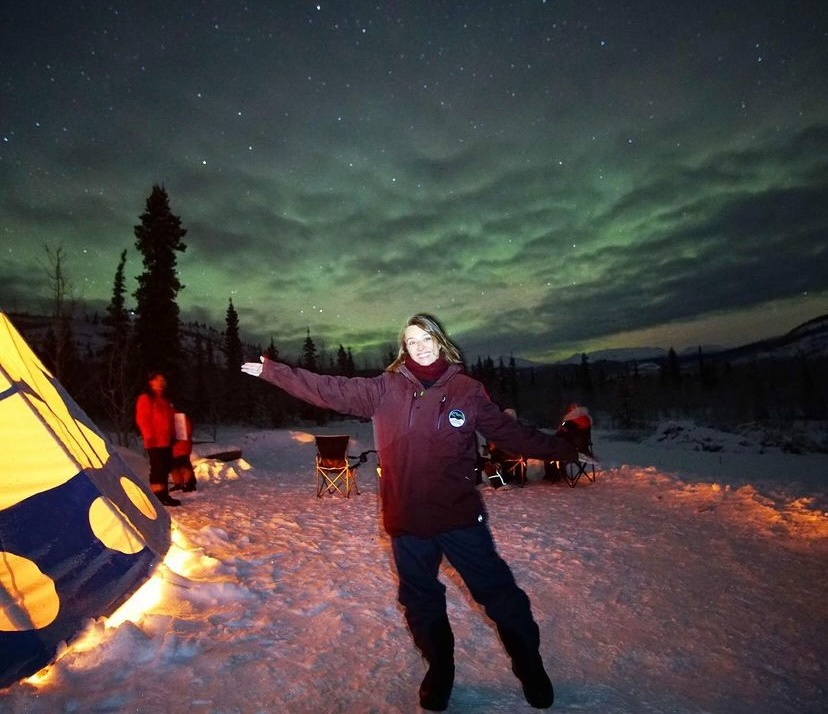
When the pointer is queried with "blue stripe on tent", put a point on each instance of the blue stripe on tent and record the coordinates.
(52, 529)
(8, 392)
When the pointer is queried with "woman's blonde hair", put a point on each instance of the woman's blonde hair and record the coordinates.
(428, 324)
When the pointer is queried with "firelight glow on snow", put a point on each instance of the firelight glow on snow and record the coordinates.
(688, 578)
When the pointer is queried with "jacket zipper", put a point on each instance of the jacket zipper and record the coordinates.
(440, 412)
(416, 395)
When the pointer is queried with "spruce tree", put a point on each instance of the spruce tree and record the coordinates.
(158, 238)
(344, 362)
(272, 352)
(117, 376)
(309, 354)
(514, 390)
(233, 353)
(310, 361)
(236, 391)
(672, 370)
(391, 355)
(117, 316)
(585, 377)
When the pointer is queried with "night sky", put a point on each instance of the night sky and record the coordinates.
(546, 177)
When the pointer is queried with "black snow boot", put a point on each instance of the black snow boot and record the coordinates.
(527, 666)
(163, 495)
(435, 690)
(536, 685)
(438, 650)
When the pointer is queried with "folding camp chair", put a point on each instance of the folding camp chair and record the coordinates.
(571, 471)
(335, 467)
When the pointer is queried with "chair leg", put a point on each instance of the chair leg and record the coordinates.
(339, 483)
(497, 475)
(572, 472)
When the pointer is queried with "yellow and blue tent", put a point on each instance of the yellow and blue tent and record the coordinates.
(79, 531)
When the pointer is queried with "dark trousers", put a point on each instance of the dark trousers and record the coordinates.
(160, 463)
(471, 551)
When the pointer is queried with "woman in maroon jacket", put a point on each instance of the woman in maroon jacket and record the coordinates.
(154, 415)
(425, 412)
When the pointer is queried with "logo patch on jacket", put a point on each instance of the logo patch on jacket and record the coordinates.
(456, 417)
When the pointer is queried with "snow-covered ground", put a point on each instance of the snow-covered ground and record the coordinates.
(689, 578)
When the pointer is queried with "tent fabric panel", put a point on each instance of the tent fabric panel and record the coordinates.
(33, 461)
(70, 424)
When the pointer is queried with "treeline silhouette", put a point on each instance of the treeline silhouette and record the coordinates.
(785, 397)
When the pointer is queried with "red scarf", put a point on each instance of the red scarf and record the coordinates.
(429, 374)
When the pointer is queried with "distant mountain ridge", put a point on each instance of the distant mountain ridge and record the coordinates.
(619, 354)
(640, 354)
(810, 339)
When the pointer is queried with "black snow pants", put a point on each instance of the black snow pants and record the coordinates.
(471, 551)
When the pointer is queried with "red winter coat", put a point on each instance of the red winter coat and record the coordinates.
(425, 439)
(577, 416)
(154, 417)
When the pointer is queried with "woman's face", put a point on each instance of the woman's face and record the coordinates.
(420, 346)
(158, 384)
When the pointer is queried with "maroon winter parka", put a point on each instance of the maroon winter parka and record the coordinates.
(425, 439)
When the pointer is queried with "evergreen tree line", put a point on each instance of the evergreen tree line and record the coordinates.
(781, 396)
(205, 381)
(201, 363)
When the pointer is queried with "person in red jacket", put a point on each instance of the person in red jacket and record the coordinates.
(575, 427)
(425, 413)
(154, 416)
